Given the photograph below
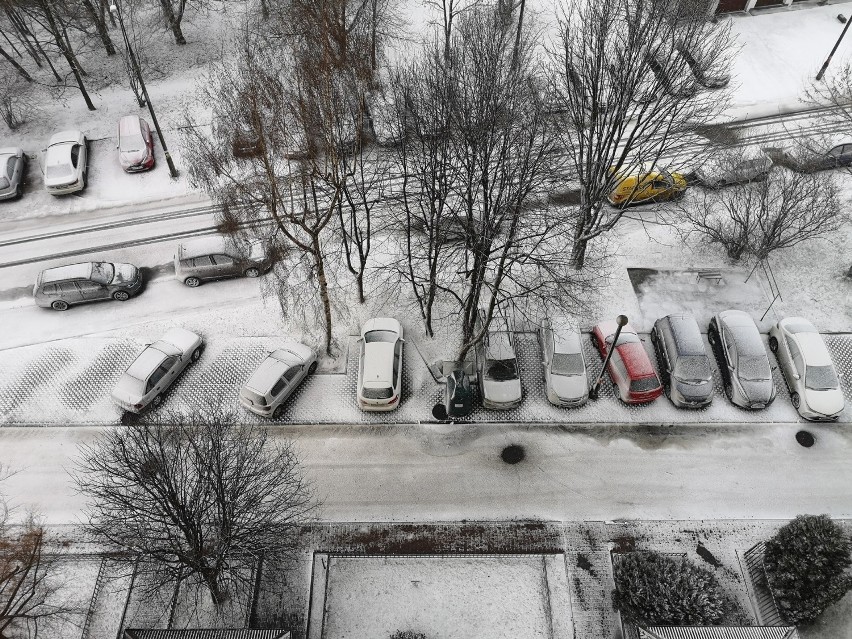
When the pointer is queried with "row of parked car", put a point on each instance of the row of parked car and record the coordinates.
(66, 159)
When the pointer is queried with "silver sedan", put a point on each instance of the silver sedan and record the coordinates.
(155, 369)
(276, 378)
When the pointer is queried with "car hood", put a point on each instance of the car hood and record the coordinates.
(502, 392)
(827, 402)
(124, 273)
(758, 391)
(569, 386)
(131, 158)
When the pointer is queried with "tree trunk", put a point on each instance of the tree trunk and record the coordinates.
(360, 280)
(54, 29)
(11, 44)
(100, 25)
(69, 51)
(15, 64)
(212, 584)
(23, 34)
(172, 21)
(578, 254)
(323, 284)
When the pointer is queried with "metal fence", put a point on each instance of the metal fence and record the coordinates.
(767, 608)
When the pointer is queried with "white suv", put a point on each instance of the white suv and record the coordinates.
(380, 365)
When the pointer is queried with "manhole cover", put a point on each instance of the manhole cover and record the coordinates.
(512, 454)
(805, 438)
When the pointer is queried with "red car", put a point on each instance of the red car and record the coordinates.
(135, 144)
(630, 367)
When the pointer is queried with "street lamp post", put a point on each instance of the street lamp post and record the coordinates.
(830, 55)
(135, 63)
(621, 320)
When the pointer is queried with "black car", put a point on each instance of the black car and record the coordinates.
(683, 362)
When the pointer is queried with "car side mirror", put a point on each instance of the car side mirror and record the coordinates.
(402, 340)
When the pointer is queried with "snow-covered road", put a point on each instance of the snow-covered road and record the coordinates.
(428, 473)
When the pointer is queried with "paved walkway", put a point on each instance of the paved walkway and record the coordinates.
(68, 382)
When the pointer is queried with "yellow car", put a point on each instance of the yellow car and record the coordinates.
(657, 185)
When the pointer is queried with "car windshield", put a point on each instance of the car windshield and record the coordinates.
(624, 338)
(754, 369)
(821, 378)
(501, 370)
(11, 162)
(377, 393)
(693, 369)
(102, 272)
(567, 364)
(644, 384)
(380, 336)
(132, 142)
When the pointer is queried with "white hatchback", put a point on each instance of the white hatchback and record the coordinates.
(806, 363)
(564, 365)
(276, 378)
(380, 365)
(66, 163)
(155, 369)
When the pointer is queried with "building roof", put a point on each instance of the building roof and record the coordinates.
(211, 633)
(718, 632)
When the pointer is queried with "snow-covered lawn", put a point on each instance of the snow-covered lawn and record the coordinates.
(511, 597)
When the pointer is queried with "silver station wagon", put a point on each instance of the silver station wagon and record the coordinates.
(155, 369)
(60, 287)
(276, 378)
(211, 258)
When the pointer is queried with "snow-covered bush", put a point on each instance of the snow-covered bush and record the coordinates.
(807, 564)
(657, 589)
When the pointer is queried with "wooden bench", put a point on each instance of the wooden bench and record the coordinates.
(710, 275)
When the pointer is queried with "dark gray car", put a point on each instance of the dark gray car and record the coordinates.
(212, 258)
(810, 160)
(13, 169)
(683, 361)
(62, 286)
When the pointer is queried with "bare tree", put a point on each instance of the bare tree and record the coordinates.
(198, 497)
(18, 101)
(755, 219)
(620, 115)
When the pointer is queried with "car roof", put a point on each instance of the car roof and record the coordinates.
(499, 345)
(83, 270)
(267, 374)
(208, 245)
(635, 359)
(686, 334)
(129, 124)
(566, 336)
(734, 318)
(798, 325)
(378, 364)
(146, 363)
(382, 324)
(813, 349)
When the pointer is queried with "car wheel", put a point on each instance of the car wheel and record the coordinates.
(773, 344)
(196, 354)
(157, 401)
(252, 272)
(312, 369)
(797, 401)
(729, 391)
(59, 305)
(19, 191)
(667, 390)
(712, 336)
(595, 343)
(276, 414)
(654, 337)
(192, 282)
(121, 296)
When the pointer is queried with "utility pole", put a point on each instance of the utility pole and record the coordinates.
(836, 44)
(135, 63)
(595, 390)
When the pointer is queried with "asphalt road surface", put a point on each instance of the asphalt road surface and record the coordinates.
(434, 473)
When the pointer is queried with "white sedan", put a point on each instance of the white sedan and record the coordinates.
(155, 369)
(65, 163)
(276, 378)
(564, 366)
(380, 365)
(806, 363)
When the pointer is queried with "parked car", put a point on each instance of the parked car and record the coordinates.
(701, 68)
(815, 157)
(135, 144)
(630, 368)
(156, 369)
(276, 378)
(742, 359)
(565, 377)
(217, 257)
(684, 365)
(66, 163)
(13, 170)
(647, 185)
(673, 73)
(499, 378)
(380, 365)
(62, 286)
(807, 367)
(742, 168)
